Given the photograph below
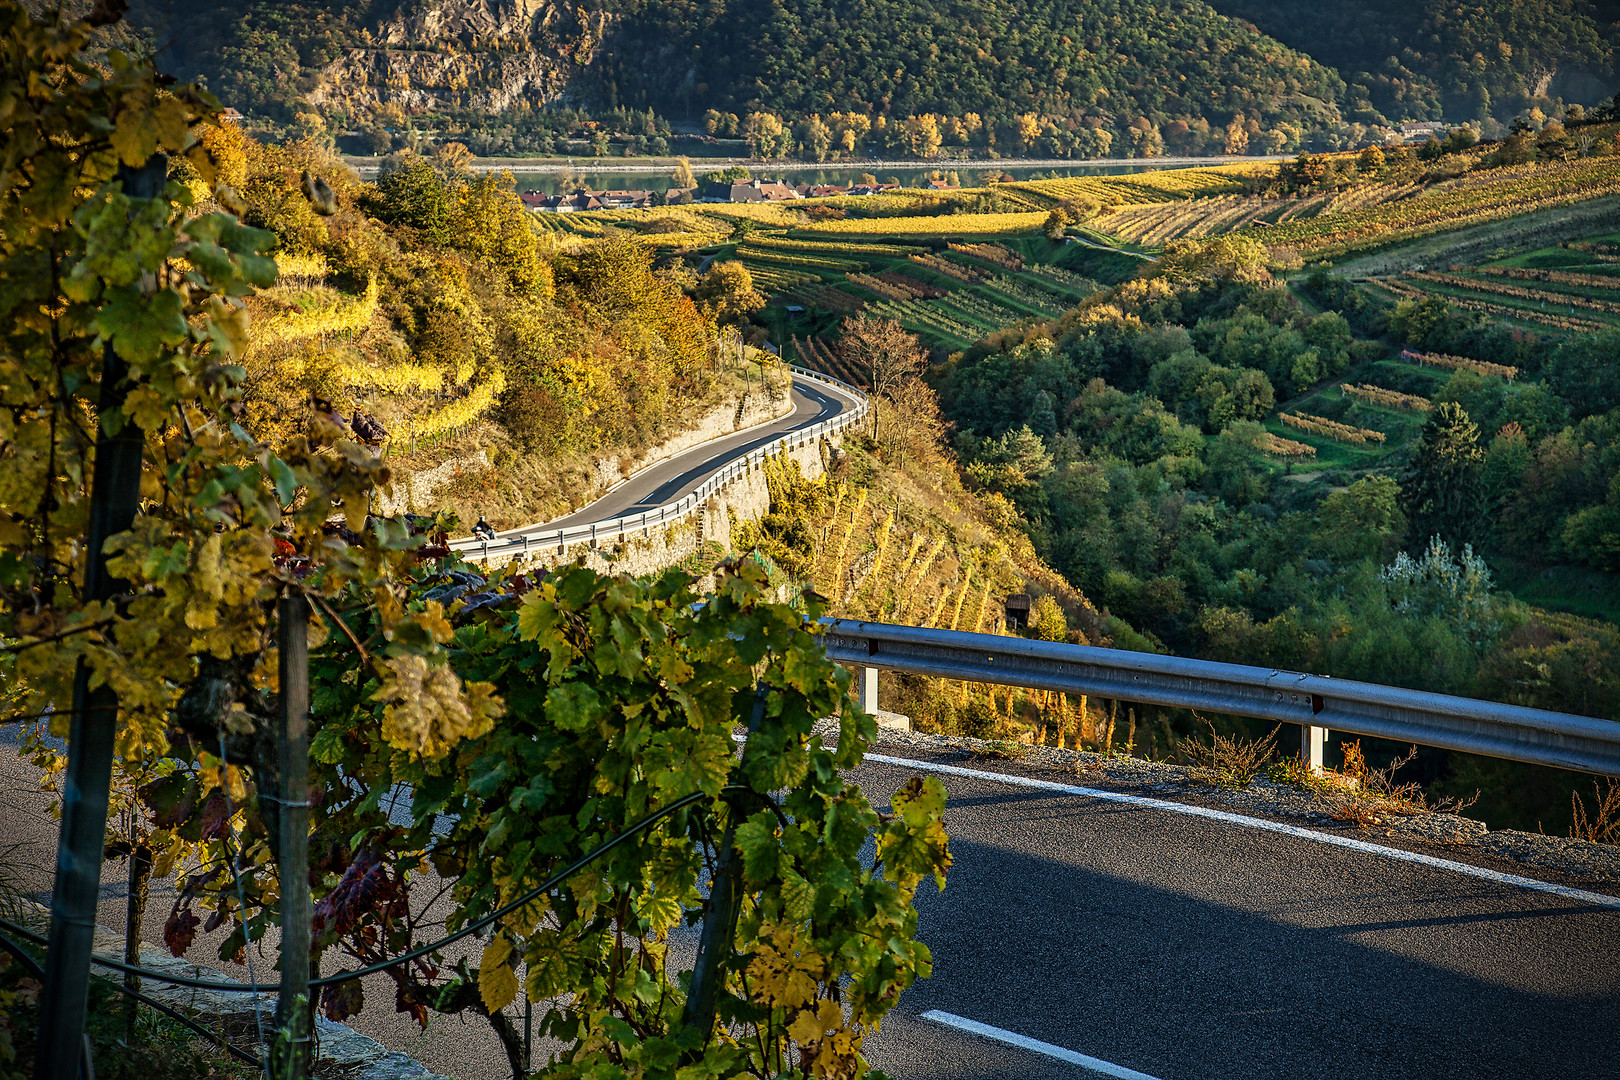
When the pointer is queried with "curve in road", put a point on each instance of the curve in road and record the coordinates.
(665, 481)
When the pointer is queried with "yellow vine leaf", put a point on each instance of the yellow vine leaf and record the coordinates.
(497, 982)
(228, 777)
(811, 1024)
(424, 712)
(434, 621)
(778, 976)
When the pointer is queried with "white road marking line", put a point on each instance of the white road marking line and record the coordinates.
(1582, 895)
(1024, 1042)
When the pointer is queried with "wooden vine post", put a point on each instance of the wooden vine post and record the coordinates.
(719, 933)
(115, 489)
(289, 1055)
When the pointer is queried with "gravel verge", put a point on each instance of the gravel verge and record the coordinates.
(1554, 858)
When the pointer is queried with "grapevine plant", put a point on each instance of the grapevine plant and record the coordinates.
(621, 696)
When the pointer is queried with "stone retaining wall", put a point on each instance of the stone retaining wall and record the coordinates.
(744, 500)
(338, 1049)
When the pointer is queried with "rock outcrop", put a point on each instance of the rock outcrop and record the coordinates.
(487, 55)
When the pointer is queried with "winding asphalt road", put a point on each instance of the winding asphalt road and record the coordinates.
(1153, 943)
(666, 481)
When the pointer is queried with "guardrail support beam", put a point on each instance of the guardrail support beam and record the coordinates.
(1313, 741)
(869, 676)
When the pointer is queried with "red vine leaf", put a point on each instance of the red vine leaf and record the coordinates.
(365, 885)
(405, 1002)
(180, 931)
(172, 799)
(340, 1001)
(215, 817)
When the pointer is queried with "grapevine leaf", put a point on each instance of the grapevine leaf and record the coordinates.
(497, 981)
(572, 707)
(756, 839)
(144, 129)
(180, 931)
(340, 1001)
(172, 799)
(286, 481)
(138, 326)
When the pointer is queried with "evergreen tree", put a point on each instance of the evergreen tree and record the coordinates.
(1042, 416)
(1443, 490)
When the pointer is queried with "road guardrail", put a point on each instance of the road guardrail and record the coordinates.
(1315, 702)
(616, 528)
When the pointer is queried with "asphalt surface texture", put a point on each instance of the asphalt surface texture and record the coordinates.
(1174, 946)
(666, 481)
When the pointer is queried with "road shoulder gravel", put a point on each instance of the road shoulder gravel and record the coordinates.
(1557, 860)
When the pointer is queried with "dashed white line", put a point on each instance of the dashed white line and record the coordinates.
(1024, 1042)
(1582, 895)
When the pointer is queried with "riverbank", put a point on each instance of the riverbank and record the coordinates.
(367, 166)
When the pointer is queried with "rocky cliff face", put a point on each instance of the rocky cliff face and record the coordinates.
(487, 55)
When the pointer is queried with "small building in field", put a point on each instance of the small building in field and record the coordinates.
(1017, 608)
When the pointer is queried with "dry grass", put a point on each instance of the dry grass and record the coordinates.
(1602, 826)
(1231, 762)
(1361, 795)
(1002, 749)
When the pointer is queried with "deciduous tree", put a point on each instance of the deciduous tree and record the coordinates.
(726, 293)
(883, 351)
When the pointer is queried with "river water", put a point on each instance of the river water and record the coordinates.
(587, 173)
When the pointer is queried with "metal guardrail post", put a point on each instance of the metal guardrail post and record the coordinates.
(869, 688)
(1313, 741)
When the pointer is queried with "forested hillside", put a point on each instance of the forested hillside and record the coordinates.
(1428, 59)
(1048, 78)
(1106, 62)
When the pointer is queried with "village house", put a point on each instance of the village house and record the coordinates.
(1421, 130)
(625, 200)
(750, 191)
(579, 201)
